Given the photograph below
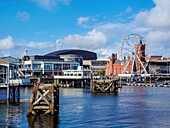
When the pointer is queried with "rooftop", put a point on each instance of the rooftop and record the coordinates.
(87, 55)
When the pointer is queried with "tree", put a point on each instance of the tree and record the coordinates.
(98, 72)
(102, 72)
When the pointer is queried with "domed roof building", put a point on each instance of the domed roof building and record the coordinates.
(86, 55)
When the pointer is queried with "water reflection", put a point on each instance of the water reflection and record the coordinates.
(43, 121)
(104, 94)
(131, 107)
(3, 96)
(12, 116)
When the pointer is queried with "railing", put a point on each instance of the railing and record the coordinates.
(31, 68)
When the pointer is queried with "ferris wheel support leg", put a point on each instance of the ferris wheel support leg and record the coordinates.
(141, 64)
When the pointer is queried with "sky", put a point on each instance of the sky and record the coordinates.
(44, 26)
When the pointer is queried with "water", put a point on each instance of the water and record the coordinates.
(132, 107)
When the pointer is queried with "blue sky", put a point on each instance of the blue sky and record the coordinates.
(43, 26)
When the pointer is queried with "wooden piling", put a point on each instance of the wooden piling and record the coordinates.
(44, 99)
(13, 94)
(102, 86)
(8, 93)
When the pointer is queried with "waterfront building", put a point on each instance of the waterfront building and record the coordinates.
(74, 55)
(126, 66)
(75, 78)
(46, 65)
(80, 73)
(114, 66)
(70, 57)
(159, 65)
(13, 60)
(95, 65)
(87, 59)
(55, 63)
(8, 70)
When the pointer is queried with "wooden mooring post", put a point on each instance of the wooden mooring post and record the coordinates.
(104, 86)
(44, 99)
(13, 94)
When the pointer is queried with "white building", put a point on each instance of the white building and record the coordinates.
(45, 65)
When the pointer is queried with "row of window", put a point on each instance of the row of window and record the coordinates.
(49, 66)
(72, 74)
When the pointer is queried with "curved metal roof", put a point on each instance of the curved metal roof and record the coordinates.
(87, 55)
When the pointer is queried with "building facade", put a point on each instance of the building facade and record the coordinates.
(124, 66)
(74, 55)
(95, 65)
(46, 65)
(159, 65)
(8, 70)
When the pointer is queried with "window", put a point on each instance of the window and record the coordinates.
(48, 66)
(74, 66)
(66, 66)
(36, 66)
(57, 67)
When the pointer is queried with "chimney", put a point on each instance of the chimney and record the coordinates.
(128, 58)
(115, 56)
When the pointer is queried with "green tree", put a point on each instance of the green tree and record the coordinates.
(102, 72)
(98, 72)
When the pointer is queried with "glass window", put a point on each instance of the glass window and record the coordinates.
(57, 66)
(66, 66)
(80, 60)
(36, 66)
(48, 66)
(74, 66)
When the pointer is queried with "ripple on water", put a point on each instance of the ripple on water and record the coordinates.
(132, 107)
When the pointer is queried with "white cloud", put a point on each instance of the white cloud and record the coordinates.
(158, 16)
(40, 45)
(92, 40)
(159, 38)
(153, 25)
(86, 22)
(5, 53)
(128, 9)
(7, 43)
(23, 16)
(82, 20)
(104, 52)
(113, 30)
(50, 4)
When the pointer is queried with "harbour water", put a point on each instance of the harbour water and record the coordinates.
(132, 107)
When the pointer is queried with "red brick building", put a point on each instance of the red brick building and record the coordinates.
(116, 66)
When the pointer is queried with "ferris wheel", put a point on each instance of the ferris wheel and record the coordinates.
(134, 54)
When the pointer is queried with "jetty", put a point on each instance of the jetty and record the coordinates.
(63, 81)
(149, 81)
